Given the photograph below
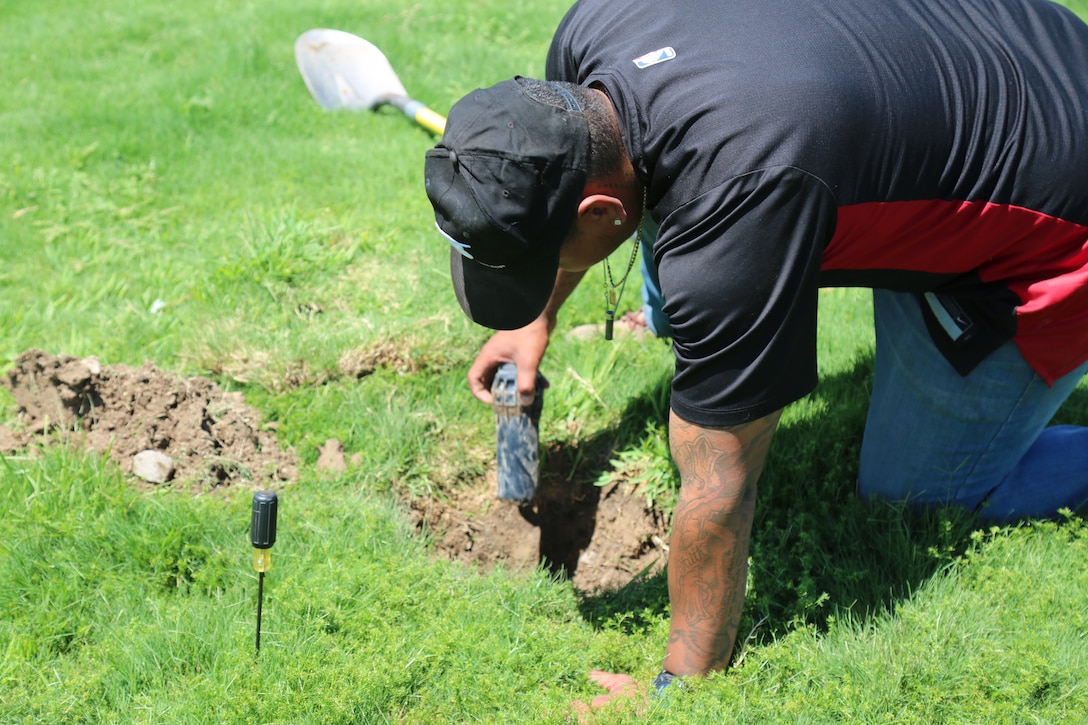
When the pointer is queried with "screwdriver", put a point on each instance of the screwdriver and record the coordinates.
(262, 532)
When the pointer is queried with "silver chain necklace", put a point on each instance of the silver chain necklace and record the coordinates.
(612, 291)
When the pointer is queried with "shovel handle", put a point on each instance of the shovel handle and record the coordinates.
(418, 112)
(431, 120)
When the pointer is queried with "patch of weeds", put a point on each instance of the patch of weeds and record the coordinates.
(286, 251)
(80, 203)
(362, 361)
(278, 370)
(259, 369)
(638, 607)
(648, 465)
(183, 564)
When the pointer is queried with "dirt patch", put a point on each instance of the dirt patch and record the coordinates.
(363, 361)
(599, 537)
(205, 438)
(195, 432)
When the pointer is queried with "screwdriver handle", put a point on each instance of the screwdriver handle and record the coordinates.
(262, 528)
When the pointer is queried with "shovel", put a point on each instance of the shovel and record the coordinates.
(342, 70)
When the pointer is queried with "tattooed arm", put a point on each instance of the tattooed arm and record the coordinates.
(708, 559)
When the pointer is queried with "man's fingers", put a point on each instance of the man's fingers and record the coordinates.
(616, 683)
(481, 375)
(479, 383)
(621, 688)
(527, 380)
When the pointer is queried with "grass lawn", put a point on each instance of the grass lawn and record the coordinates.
(169, 193)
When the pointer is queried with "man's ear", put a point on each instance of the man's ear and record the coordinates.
(601, 209)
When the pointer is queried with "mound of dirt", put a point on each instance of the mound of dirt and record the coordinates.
(189, 429)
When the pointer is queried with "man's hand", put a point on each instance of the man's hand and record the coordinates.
(621, 691)
(524, 347)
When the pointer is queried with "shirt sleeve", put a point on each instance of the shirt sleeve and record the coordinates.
(739, 269)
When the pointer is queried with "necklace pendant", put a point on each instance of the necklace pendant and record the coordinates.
(608, 328)
(612, 297)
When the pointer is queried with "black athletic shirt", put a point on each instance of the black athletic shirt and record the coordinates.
(931, 146)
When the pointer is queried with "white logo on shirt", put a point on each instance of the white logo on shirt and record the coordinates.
(654, 57)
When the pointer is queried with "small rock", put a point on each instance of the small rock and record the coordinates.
(153, 466)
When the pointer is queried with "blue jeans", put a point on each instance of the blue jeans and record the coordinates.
(652, 300)
(980, 442)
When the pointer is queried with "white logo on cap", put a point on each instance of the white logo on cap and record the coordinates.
(654, 57)
(461, 247)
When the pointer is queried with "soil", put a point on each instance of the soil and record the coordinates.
(599, 538)
(210, 437)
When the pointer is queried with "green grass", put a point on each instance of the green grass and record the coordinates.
(169, 192)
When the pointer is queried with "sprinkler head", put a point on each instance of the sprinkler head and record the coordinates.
(517, 436)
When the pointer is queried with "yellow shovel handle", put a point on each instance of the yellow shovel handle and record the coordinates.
(431, 120)
(425, 117)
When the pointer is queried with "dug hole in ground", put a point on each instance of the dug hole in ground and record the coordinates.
(162, 429)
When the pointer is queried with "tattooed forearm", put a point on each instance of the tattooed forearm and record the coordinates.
(712, 524)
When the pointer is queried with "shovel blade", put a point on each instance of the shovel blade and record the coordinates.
(342, 70)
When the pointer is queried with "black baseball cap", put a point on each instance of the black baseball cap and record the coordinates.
(505, 182)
